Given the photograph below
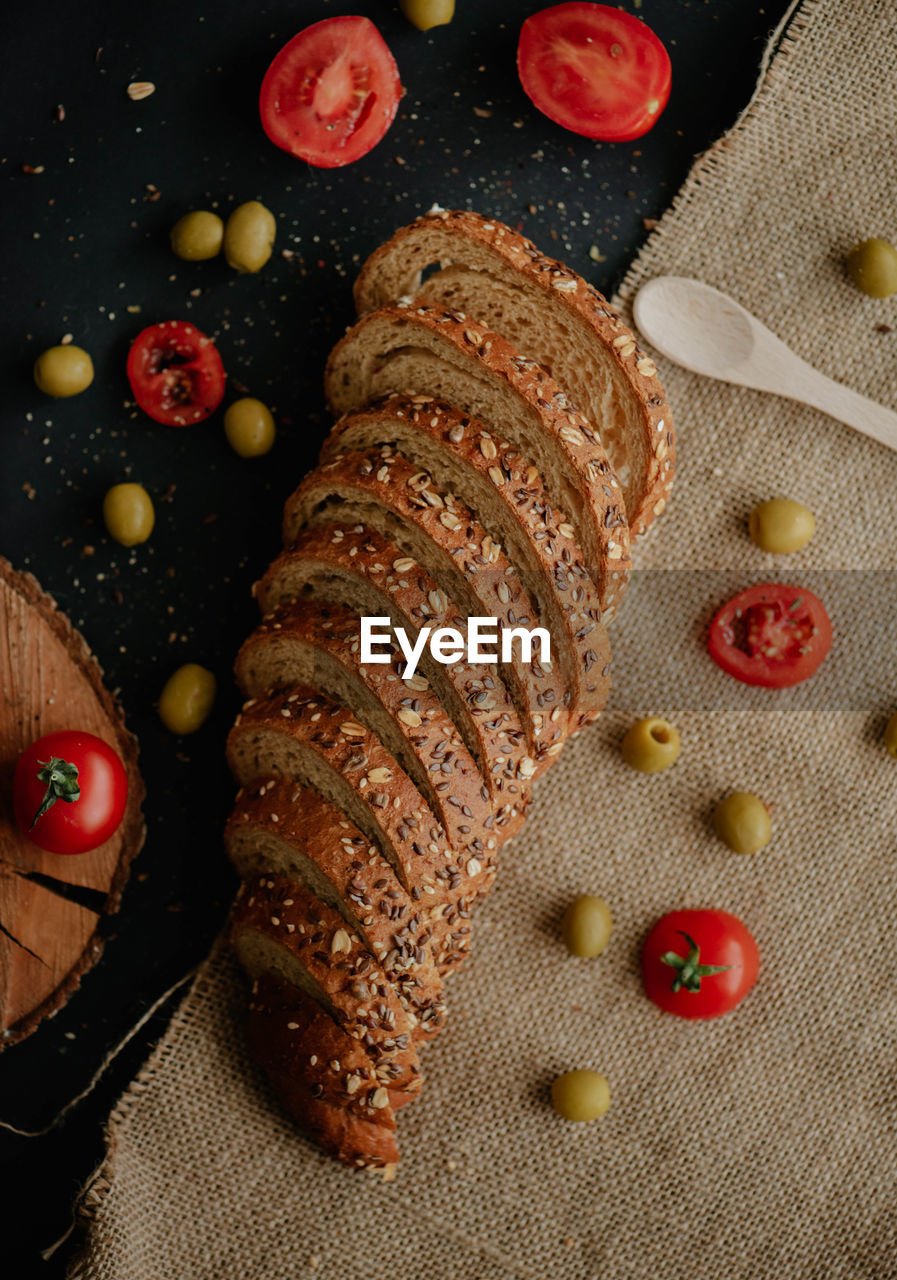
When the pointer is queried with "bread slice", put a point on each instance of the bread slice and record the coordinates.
(281, 828)
(280, 928)
(322, 1078)
(505, 492)
(307, 642)
(426, 349)
(381, 489)
(496, 275)
(302, 735)
(358, 566)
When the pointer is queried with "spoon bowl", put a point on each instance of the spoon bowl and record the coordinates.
(709, 333)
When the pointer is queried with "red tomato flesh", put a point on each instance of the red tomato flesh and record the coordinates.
(175, 373)
(594, 70)
(331, 93)
(93, 773)
(723, 944)
(771, 635)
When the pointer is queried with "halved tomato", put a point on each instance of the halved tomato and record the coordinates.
(332, 92)
(594, 70)
(771, 635)
(175, 373)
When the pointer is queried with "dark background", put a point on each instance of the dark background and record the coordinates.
(86, 240)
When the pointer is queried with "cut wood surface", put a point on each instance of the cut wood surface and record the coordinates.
(49, 681)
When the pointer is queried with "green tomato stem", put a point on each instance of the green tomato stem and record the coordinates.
(61, 778)
(688, 971)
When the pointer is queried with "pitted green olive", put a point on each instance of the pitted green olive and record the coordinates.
(198, 235)
(187, 699)
(651, 745)
(128, 513)
(425, 14)
(63, 371)
(872, 266)
(742, 822)
(586, 927)
(249, 427)
(580, 1095)
(249, 237)
(781, 526)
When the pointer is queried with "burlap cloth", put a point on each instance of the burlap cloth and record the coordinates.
(760, 1145)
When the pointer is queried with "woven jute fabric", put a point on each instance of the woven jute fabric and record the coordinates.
(758, 1145)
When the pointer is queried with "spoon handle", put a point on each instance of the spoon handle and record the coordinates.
(838, 401)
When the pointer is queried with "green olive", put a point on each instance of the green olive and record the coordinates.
(891, 736)
(129, 515)
(187, 699)
(651, 745)
(872, 266)
(781, 526)
(63, 371)
(580, 1095)
(586, 926)
(197, 235)
(742, 822)
(249, 237)
(425, 14)
(249, 427)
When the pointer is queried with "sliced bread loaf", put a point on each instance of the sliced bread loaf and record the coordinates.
(358, 566)
(282, 828)
(494, 274)
(303, 736)
(323, 1079)
(384, 491)
(317, 644)
(426, 349)
(505, 492)
(280, 929)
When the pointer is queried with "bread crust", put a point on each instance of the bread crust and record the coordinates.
(296, 1044)
(503, 471)
(301, 633)
(407, 593)
(399, 818)
(601, 522)
(318, 940)
(385, 914)
(558, 286)
(383, 479)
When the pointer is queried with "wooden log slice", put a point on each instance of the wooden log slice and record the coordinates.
(50, 681)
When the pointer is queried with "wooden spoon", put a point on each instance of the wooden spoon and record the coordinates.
(710, 333)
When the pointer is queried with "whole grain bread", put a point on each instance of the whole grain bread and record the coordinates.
(505, 492)
(359, 566)
(316, 644)
(494, 274)
(322, 1078)
(282, 828)
(303, 735)
(423, 348)
(280, 928)
(382, 489)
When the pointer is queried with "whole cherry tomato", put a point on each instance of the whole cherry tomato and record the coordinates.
(699, 964)
(69, 792)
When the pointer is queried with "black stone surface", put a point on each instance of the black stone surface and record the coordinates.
(85, 252)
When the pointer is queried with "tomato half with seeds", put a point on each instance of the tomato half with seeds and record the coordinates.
(176, 374)
(699, 963)
(331, 93)
(594, 70)
(69, 792)
(771, 635)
